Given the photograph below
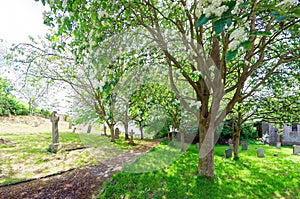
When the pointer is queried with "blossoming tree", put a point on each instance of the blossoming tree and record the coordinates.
(216, 45)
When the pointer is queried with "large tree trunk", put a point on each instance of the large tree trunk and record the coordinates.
(206, 152)
(182, 141)
(126, 131)
(236, 136)
(236, 142)
(112, 132)
(142, 133)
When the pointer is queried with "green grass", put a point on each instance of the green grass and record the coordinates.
(25, 155)
(248, 177)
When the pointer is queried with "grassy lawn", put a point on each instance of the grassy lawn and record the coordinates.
(249, 177)
(25, 155)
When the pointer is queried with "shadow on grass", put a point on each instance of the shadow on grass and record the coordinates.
(249, 177)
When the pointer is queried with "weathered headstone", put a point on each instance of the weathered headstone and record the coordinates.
(117, 133)
(278, 145)
(197, 145)
(231, 146)
(260, 153)
(89, 129)
(296, 149)
(244, 146)
(131, 137)
(36, 124)
(54, 119)
(70, 125)
(104, 129)
(228, 153)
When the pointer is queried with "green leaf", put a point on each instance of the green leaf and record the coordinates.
(245, 3)
(219, 26)
(230, 55)
(274, 14)
(281, 18)
(202, 20)
(262, 33)
(296, 12)
(229, 22)
(230, 5)
(246, 44)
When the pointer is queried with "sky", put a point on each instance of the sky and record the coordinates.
(21, 18)
(18, 20)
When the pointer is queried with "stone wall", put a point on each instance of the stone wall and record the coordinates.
(290, 135)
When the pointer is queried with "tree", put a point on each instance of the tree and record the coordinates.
(9, 105)
(155, 103)
(222, 43)
(276, 101)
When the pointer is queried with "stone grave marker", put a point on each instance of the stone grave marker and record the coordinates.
(197, 145)
(54, 120)
(89, 129)
(244, 146)
(70, 125)
(131, 137)
(228, 153)
(117, 133)
(296, 149)
(36, 124)
(231, 146)
(104, 129)
(278, 145)
(260, 153)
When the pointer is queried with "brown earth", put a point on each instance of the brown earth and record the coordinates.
(78, 183)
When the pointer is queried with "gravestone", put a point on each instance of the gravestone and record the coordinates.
(228, 153)
(89, 129)
(296, 149)
(104, 129)
(70, 125)
(231, 146)
(278, 145)
(131, 137)
(54, 120)
(244, 146)
(36, 124)
(117, 133)
(260, 153)
(197, 145)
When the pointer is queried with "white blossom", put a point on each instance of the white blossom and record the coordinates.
(288, 2)
(238, 34)
(64, 5)
(220, 10)
(196, 72)
(237, 37)
(102, 14)
(196, 104)
(233, 45)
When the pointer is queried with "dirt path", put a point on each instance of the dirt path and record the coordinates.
(79, 183)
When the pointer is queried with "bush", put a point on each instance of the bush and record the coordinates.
(248, 132)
